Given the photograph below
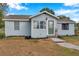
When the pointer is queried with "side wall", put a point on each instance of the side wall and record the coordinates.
(25, 29)
(71, 30)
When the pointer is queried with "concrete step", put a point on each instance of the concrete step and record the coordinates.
(57, 40)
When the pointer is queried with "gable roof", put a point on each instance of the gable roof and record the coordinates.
(17, 17)
(20, 17)
(44, 12)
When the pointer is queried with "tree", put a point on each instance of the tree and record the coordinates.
(1, 22)
(3, 9)
(77, 26)
(48, 10)
(63, 17)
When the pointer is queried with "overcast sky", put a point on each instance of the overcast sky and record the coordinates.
(70, 10)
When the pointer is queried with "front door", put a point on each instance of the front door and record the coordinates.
(50, 28)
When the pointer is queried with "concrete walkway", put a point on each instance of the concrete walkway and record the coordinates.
(61, 42)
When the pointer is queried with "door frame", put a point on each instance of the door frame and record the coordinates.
(48, 27)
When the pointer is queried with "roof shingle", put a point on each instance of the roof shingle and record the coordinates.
(17, 17)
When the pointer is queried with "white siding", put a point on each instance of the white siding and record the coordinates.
(25, 29)
(40, 33)
(71, 30)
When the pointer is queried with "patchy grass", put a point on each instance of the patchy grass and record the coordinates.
(71, 39)
(42, 47)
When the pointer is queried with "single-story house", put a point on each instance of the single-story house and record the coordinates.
(41, 25)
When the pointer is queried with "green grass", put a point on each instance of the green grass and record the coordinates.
(72, 39)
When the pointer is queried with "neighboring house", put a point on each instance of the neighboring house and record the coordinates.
(41, 25)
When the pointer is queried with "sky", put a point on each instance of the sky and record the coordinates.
(70, 10)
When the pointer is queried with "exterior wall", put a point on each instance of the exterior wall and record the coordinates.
(25, 28)
(40, 33)
(71, 30)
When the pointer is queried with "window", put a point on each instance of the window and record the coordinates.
(36, 24)
(65, 26)
(39, 25)
(42, 25)
(16, 25)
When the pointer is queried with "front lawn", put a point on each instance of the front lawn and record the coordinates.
(71, 39)
(19, 46)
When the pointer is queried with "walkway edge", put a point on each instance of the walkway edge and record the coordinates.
(62, 43)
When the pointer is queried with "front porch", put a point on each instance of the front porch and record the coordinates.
(42, 30)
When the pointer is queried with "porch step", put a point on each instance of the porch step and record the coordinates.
(57, 40)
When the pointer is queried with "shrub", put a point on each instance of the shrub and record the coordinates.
(59, 36)
(2, 35)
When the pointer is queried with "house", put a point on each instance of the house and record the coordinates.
(41, 25)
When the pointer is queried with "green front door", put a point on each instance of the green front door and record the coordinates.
(50, 27)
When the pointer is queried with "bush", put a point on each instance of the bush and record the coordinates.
(59, 36)
(2, 35)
